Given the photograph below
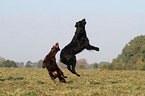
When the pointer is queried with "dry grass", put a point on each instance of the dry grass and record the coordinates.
(34, 81)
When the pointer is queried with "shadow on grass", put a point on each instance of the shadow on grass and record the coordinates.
(97, 83)
(12, 78)
(114, 82)
(40, 82)
(69, 82)
(2, 79)
(19, 78)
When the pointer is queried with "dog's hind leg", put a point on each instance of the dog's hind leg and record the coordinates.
(73, 64)
(52, 76)
(61, 73)
(61, 79)
(74, 71)
(69, 68)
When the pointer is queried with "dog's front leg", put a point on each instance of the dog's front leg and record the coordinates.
(90, 47)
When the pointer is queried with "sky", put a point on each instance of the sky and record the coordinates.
(29, 28)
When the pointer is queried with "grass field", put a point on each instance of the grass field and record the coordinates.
(36, 82)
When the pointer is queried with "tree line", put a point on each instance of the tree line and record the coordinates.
(81, 64)
(10, 63)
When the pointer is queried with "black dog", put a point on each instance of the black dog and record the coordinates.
(50, 63)
(78, 44)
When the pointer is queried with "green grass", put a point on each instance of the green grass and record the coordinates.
(36, 82)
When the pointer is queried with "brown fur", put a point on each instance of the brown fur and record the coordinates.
(50, 63)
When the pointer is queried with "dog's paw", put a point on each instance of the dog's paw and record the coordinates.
(97, 49)
(78, 75)
(65, 76)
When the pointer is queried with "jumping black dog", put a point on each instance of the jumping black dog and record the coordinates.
(78, 44)
(50, 63)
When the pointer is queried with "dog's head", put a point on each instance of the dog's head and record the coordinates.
(55, 48)
(81, 24)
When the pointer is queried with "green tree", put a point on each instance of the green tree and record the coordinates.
(39, 64)
(8, 63)
(81, 64)
(95, 66)
(20, 64)
(29, 64)
(104, 66)
(2, 59)
(132, 56)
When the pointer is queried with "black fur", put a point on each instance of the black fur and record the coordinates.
(78, 44)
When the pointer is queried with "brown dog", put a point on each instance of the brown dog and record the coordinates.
(50, 63)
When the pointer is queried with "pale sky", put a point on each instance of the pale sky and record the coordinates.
(29, 28)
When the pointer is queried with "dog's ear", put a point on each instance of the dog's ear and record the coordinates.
(84, 21)
(56, 44)
(76, 24)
